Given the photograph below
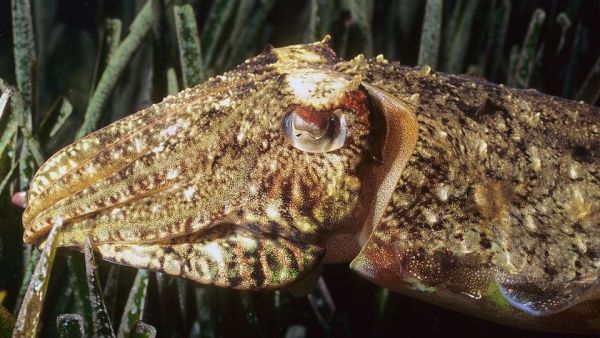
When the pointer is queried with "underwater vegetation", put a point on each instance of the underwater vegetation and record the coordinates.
(70, 67)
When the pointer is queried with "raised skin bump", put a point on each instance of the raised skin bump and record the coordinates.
(462, 193)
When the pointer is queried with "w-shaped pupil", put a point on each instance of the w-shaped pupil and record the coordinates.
(314, 131)
(315, 125)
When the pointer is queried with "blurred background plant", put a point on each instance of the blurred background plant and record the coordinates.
(68, 67)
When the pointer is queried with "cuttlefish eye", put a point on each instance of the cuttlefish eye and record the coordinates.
(314, 131)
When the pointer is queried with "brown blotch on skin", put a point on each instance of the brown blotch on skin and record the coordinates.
(493, 199)
(357, 102)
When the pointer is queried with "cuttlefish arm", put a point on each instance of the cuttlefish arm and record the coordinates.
(473, 196)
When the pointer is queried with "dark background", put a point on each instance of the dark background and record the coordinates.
(69, 39)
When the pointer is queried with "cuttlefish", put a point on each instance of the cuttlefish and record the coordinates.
(453, 190)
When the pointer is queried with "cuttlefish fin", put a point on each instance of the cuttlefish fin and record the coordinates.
(544, 299)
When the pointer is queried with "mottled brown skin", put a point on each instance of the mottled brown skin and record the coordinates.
(502, 189)
(494, 211)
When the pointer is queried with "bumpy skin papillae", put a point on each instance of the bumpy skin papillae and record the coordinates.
(495, 212)
(498, 210)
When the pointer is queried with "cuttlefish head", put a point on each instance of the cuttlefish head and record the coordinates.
(249, 180)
